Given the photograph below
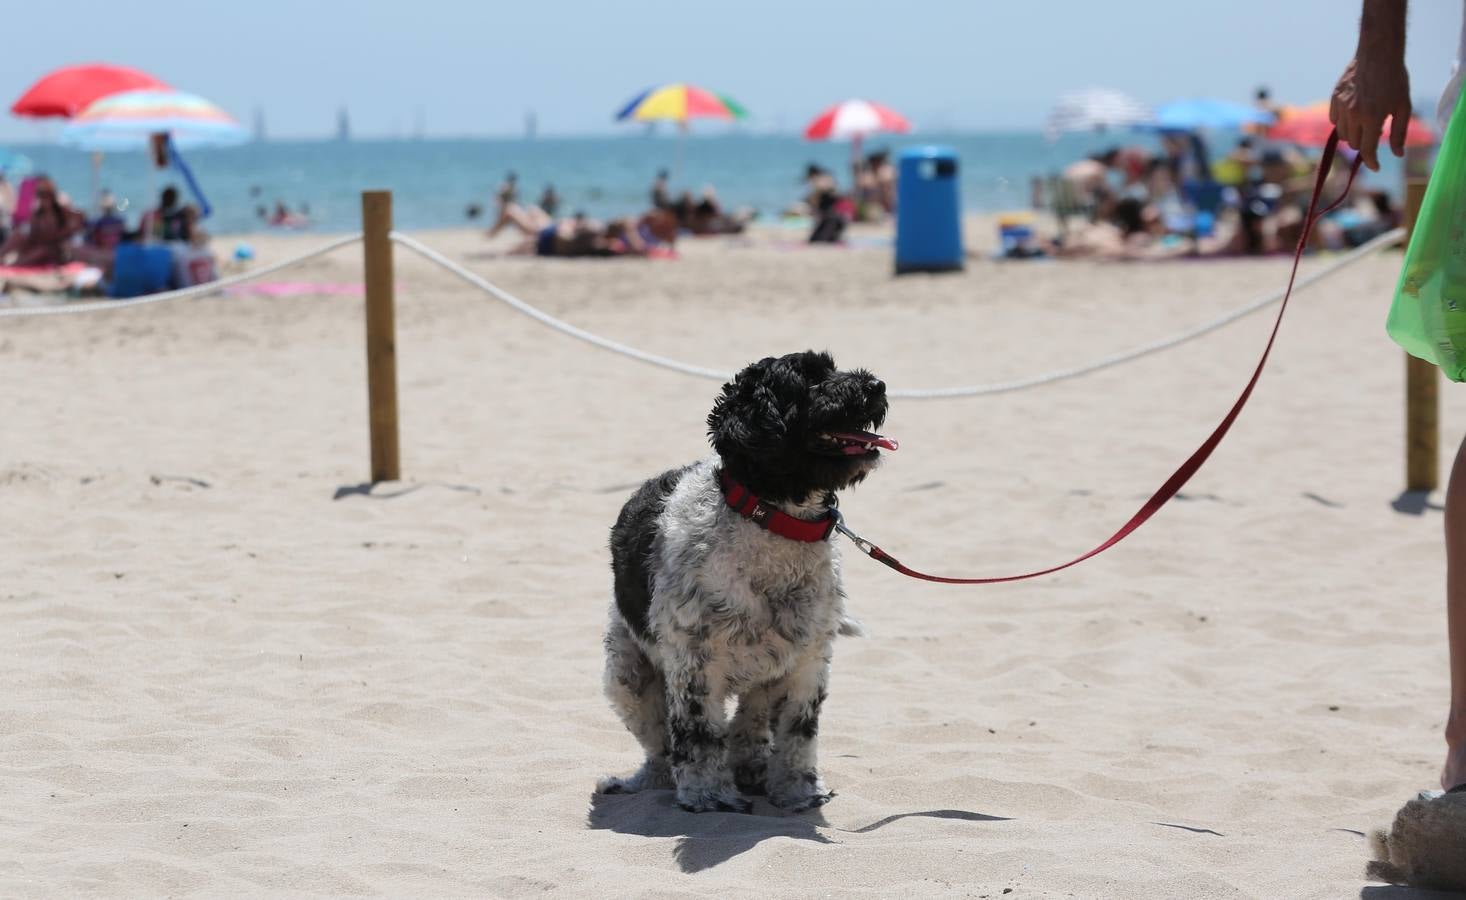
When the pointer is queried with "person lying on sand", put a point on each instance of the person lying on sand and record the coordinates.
(652, 234)
(706, 216)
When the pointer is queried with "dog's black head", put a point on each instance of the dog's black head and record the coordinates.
(795, 426)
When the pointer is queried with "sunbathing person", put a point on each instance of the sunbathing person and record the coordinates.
(45, 239)
(653, 234)
(510, 212)
(527, 220)
(706, 216)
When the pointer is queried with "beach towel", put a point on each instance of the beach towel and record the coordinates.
(1428, 316)
(50, 279)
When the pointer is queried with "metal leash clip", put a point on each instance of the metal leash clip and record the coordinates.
(861, 543)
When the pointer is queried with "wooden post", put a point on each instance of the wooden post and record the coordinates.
(381, 333)
(1422, 385)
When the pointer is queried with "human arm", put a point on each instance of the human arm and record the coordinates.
(1375, 83)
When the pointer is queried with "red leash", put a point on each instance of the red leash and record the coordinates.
(1194, 462)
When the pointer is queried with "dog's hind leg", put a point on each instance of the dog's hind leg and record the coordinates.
(639, 696)
(793, 778)
(750, 740)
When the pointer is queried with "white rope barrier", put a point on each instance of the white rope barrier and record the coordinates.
(1389, 239)
(198, 290)
(545, 318)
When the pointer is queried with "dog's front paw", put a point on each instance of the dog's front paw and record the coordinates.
(799, 791)
(723, 798)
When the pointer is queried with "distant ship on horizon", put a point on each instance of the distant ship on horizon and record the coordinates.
(343, 126)
(259, 126)
(531, 125)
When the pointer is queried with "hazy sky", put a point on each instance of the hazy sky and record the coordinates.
(472, 67)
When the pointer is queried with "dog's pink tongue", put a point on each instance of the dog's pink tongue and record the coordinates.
(867, 437)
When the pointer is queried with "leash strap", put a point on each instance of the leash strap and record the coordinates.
(1194, 462)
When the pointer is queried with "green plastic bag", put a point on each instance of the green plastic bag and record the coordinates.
(1428, 317)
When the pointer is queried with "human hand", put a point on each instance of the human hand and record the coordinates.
(1369, 91)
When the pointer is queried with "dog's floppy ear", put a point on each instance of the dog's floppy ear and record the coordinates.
(747, 417)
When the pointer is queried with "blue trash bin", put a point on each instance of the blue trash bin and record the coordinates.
(928, 211)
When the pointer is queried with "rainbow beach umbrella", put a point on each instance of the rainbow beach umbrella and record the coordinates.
(127, 121)
(680, 102)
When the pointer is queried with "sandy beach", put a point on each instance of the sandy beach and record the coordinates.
(231, 670)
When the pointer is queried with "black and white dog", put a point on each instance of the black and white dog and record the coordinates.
(726, 585)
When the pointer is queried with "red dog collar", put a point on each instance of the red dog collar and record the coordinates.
(770, 518)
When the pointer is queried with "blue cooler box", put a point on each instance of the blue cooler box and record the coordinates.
(928, 211)
(140, 269)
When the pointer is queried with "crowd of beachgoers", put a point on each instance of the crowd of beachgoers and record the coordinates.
(51, 243)
(1128, 202)
(1132, 202)
(48, 243)
(653, 233)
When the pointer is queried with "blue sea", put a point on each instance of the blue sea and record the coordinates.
(434, 181)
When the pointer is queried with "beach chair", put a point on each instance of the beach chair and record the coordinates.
(1064, 203)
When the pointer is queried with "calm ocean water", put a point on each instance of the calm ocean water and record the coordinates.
(435, 180)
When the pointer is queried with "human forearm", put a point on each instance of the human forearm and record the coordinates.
(1382, 33)
(1375, 86)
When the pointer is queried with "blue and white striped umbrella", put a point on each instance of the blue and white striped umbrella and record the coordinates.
(126, 121)
(1096, 109)
(1191, 114)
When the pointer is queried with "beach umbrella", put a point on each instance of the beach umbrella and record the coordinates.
(854, 119)
(139, 120)
(1095, 109)
(1194, 113)
(680, 103)
(1309, 126)
(127, 121)
(67, 91)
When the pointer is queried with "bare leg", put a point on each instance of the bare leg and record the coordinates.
(1454, 772)
(528, 220)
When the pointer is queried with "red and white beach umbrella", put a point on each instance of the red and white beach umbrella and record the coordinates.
(855, 119)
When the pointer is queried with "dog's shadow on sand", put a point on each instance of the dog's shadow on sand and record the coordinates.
(710, 839)
(1397, 892)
